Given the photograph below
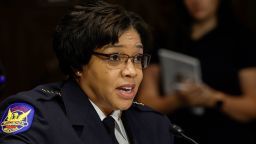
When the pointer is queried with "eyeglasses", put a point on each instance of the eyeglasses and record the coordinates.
(117, 61)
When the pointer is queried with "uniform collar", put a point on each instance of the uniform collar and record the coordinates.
(81, 112)
(115, 114)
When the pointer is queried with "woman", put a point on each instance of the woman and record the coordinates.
(102, 49)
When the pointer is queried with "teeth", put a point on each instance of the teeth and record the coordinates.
(126, 89)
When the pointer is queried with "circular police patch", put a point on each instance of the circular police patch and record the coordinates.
(17, 118)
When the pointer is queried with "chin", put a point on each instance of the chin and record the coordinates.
(125, 105)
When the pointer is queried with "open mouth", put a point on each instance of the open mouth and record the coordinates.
(127, 91)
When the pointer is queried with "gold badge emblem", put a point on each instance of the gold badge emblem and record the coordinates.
(17, 119)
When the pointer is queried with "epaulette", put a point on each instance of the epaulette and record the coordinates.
(51, 92)
(143, 107)
(138, 103)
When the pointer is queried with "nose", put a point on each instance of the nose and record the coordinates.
(129, 70)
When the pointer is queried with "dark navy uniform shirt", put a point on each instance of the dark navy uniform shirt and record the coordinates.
(61, 113)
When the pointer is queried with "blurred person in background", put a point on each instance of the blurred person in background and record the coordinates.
(209, 31)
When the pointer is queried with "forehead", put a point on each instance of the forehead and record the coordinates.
(129, 38)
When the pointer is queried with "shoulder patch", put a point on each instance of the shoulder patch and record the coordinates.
(17, 118)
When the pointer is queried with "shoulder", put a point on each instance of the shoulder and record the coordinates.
(142, 107)
(146, 112)
(17, 111)
(41, 92)
(150, 122)
(34, 96)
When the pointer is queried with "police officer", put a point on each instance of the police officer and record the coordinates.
(102, 49)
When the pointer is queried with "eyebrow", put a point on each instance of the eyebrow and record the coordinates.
(119, 46)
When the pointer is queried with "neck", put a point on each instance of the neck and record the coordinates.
(200, 28)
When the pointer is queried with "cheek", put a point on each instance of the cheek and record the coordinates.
(104, 83)
(110, 78)
(99, 75)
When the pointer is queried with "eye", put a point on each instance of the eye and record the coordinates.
(138, 59)
(115, 57)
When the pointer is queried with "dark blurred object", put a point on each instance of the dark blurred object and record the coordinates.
(2, 79)
(26, 45)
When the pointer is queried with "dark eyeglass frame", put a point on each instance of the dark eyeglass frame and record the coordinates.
(144, 62)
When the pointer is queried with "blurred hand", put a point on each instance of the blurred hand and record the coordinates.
(194, 95)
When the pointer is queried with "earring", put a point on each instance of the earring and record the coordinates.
(78, 73)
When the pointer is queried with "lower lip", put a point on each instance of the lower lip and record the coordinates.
(126, 95)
